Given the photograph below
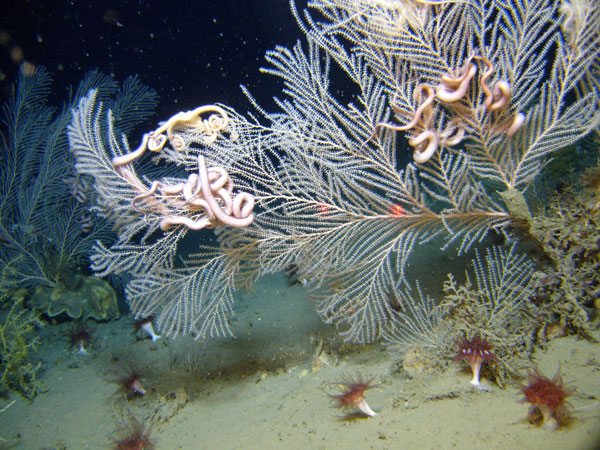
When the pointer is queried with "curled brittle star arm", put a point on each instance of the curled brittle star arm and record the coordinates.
(517, 122)
(127, 158)
(139, 197)
(195, 225)
(500, 97)
(418, 113)
(423, 153)
(448, 93)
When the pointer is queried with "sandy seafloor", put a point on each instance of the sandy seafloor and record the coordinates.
(259, 390)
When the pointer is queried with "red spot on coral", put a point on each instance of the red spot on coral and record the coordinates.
(323, 210)
(398, 211)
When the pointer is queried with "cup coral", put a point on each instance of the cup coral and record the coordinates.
(145, 324)
(476, 351)
(79, 338)
(130, 383)
(133, 436)
(548, 398)
(353, 395)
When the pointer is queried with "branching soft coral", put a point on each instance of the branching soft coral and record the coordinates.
(19, 371)
(569, 233)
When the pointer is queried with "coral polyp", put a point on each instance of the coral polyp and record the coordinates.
(353, 395)
(548, 399)
(130, 383)
(476, 351)
(80, 337)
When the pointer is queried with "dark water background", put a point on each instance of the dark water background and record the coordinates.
(191, 52)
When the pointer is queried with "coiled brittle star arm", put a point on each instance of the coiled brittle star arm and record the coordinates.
(421, 88)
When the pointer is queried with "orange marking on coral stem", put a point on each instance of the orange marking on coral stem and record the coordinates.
(397, 210)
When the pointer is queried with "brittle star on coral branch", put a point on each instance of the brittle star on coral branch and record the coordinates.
(201, 191)
(155, 140)
(450, 90)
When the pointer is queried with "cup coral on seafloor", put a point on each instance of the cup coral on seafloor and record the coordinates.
(476, 351)
(548, 399)
(353, 395)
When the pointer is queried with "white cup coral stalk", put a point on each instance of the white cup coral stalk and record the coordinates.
(476, 351)
(145, 324)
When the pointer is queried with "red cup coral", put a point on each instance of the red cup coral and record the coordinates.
(130, 384)
(134, 436)
(476, 351)
(353, 395)
(548, 398)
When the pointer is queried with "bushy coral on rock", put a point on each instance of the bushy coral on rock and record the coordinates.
(18, 371)
(569, 234)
